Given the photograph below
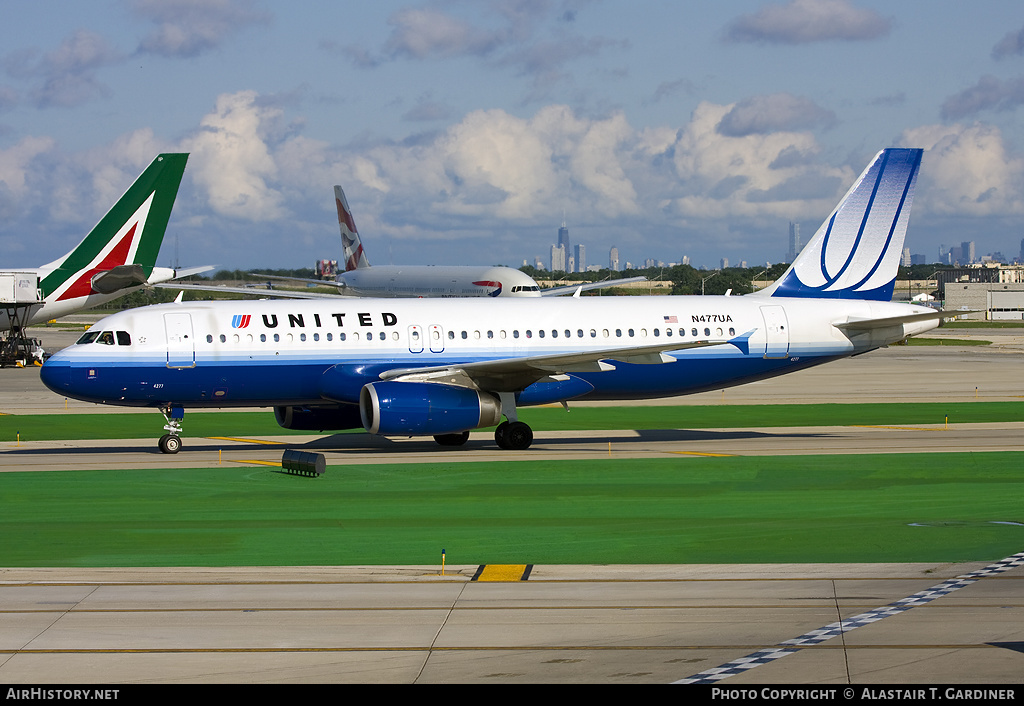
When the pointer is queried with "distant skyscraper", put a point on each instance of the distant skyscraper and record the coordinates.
(906, 257)
(967, 249)
(580, 258)
(725, 263)
(613, 257)
(563, 239)
(557, 258)
(794, 241)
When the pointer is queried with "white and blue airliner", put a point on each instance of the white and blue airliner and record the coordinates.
(442, 367)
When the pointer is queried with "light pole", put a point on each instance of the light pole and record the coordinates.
(705, 280)
(752, 286)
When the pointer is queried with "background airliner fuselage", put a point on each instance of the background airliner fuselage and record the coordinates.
(437, 281)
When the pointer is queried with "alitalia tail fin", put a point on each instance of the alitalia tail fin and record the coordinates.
(121, 250)
(351, 246)
(856, 252)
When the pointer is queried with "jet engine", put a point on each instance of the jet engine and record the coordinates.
(318, 418)
(396, 408)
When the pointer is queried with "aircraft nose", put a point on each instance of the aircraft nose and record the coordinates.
(56, 375)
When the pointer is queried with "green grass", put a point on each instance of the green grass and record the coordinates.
(983, 324)
(863, 508)
(66, 426)
(918, 341)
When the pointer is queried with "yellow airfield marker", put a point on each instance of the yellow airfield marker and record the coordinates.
(247, 441)
(503, 572)
(699, 453)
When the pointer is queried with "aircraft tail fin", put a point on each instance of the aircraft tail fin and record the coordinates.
(128, 237)
(351, 246)
(856, 252)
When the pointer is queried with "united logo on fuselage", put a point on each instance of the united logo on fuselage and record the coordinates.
(362, 318)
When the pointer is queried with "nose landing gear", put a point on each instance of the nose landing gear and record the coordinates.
(170, 443)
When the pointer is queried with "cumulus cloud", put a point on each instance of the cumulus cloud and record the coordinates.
(805, 21)
(187, 28)
(774, 181)
(15, 163)
(968, 170)
(778, 112)
(231, 160)
(66, 76)
(989, 93)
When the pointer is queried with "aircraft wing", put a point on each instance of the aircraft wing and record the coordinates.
(258, 291)
(586, 286)
(512, 374)
(319, 282)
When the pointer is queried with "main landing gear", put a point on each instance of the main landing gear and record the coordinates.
(512, 434)
(170, 443)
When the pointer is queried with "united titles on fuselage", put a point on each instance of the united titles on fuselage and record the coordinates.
(299, 320)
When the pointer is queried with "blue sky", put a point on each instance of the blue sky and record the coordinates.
(463, 131)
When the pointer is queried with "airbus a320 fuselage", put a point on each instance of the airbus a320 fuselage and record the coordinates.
(444, 367)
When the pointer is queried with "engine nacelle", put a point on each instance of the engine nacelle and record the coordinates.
(319, 418)
(424, 408)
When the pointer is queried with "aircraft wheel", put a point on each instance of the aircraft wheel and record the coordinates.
(499, 435)
(518, 436)
(452, 439)
(170, 444)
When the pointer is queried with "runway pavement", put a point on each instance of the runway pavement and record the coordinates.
(564, 624)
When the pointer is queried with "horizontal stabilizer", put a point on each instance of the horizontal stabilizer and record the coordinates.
(869, 324)
(189, 271)
(117, 278)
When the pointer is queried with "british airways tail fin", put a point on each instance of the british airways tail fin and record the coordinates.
(856, 252)
(351, 246)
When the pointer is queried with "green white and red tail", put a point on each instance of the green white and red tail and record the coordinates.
(121, 250)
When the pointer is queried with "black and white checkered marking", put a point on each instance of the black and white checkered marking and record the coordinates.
(815, 637)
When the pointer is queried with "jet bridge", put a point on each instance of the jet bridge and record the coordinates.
(19, 296)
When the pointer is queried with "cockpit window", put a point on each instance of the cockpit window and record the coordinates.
(123, 338)
(88, 337)
(106, 338)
